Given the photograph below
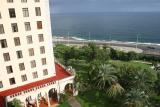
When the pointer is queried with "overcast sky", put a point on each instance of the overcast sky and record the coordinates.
(75, 6)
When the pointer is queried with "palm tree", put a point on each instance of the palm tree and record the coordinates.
(136, 98)
(114, 90)
(92, 71)
(80, 84)
(107, 80)
(126, 74)
(140, 79)
(144, 80)
(136, 78)
(157, 83)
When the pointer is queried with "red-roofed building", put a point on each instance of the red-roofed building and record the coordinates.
(39, 89)
(28, 73)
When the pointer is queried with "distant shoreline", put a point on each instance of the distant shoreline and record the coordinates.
(64, 38)
(148, 48)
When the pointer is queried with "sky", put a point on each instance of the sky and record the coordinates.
(81, 6)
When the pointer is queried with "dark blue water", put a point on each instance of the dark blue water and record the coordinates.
(121, 26)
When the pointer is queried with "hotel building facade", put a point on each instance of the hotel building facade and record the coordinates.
(28, 71)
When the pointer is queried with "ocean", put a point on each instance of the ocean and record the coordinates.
(120, 26)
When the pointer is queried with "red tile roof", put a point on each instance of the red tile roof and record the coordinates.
(61, 73)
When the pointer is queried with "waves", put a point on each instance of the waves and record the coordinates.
(78, 39)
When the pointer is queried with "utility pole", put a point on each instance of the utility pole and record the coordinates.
(83, 39)
(109, 41)
(68, 38)
(89, 36)
(137, 41)
(57, 37)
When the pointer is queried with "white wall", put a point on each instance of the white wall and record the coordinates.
(62, 83)
(58, 85)
(9, 35)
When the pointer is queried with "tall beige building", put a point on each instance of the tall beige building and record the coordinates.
(26, 53)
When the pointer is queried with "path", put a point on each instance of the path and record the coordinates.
(73, 102)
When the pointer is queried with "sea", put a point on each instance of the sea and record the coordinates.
(119, 26)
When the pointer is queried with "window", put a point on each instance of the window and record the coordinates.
(9, 69)
(25, 12)
(0, 15)
(10, 1)
(27, 26)
(14, 27)
(17, 41)
(3, 43)
(1, 29)
(29, 39)
(24, 77)
(12, 81)
(35, 75)
(1, 84)
(6, 56)
(33, 64)
(21, 66)
(24, 1)
(42, 50)
(31, 52)
(39, 24)
(37, 0)
(19, 54)
(12, 13)
(43, 60)
(40, 37)
(45, 72)
(38, 11)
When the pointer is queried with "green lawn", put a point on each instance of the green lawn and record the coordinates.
(81, 65)
(138, 64)
(95, 98)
